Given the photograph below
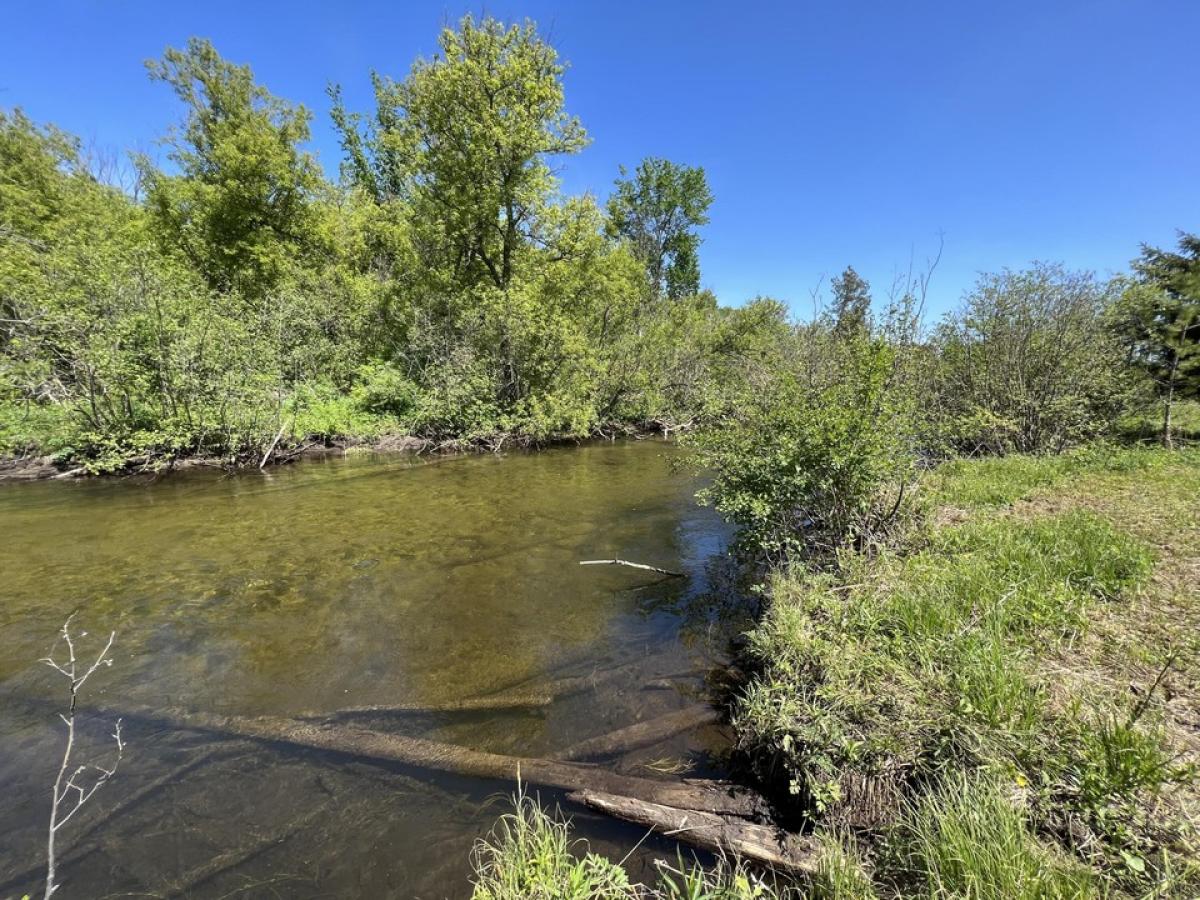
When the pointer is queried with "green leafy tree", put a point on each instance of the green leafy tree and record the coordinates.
(468, 136)
(851, 303)
(1159, 317)
(657, 211)
(240, 205)
(1027, 363)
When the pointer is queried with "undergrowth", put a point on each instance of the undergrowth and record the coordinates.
(902, 697)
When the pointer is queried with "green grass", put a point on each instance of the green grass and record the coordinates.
(885, 689)
(994, 481)
(530, 855)
(969, 838)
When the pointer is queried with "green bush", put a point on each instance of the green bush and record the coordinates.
(816, 456)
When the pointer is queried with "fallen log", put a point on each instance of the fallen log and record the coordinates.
(526, 695)
(569, 776)
(632, 565)
(642, 734)
(467, 704)
(709, 831)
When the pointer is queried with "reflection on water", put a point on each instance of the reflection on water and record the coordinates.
(394, 581)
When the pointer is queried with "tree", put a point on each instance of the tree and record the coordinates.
(1159, 317)
(1026, 363)
(240, 206)
(468, 137)
(657, 212)
(851, 303)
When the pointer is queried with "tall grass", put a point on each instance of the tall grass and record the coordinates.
(917, 669)
(530, 855)
(969, 838)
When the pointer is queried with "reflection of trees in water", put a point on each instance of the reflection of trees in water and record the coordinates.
(712, 610)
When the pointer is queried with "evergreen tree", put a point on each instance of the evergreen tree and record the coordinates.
(851, 303)
(1160, 317)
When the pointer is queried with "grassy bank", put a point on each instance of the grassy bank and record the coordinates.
(1004, 706)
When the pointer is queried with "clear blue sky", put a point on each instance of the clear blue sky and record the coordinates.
(833, 133)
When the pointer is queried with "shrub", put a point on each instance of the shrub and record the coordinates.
(816, 456)
(1027, 363)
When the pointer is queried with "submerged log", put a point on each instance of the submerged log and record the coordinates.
(570, 776)
(642, 734)
(467, 704)
(709, 831)
(632, 565)
(529, 694)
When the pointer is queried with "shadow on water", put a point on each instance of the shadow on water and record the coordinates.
(334, 584)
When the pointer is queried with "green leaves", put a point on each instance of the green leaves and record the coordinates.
(241, 206)
(656, 212)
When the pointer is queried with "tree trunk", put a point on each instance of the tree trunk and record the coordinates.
(1166, 432)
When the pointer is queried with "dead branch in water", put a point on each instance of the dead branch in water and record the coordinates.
(709, 831)
(71, 787)
(632, 565)
(642, 734)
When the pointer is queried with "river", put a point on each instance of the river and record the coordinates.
(336, 583)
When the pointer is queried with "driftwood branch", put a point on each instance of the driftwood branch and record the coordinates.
(709, 831)
(271, 449)
(642, 734)
(632, 565)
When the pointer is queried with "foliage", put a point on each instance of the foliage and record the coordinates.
(1027, 363)
(815, 448)
(851, 304)
(905, 696)
(1159, 317)
(446, 289)
(239, 207)
(657, 211)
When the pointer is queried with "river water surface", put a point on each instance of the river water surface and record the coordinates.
(332, 584)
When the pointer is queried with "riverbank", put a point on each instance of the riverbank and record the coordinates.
(36, 466)
(1005, 705)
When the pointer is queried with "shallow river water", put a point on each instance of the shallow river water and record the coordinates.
(342, 583)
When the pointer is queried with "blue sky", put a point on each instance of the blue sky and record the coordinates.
(833, 133)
